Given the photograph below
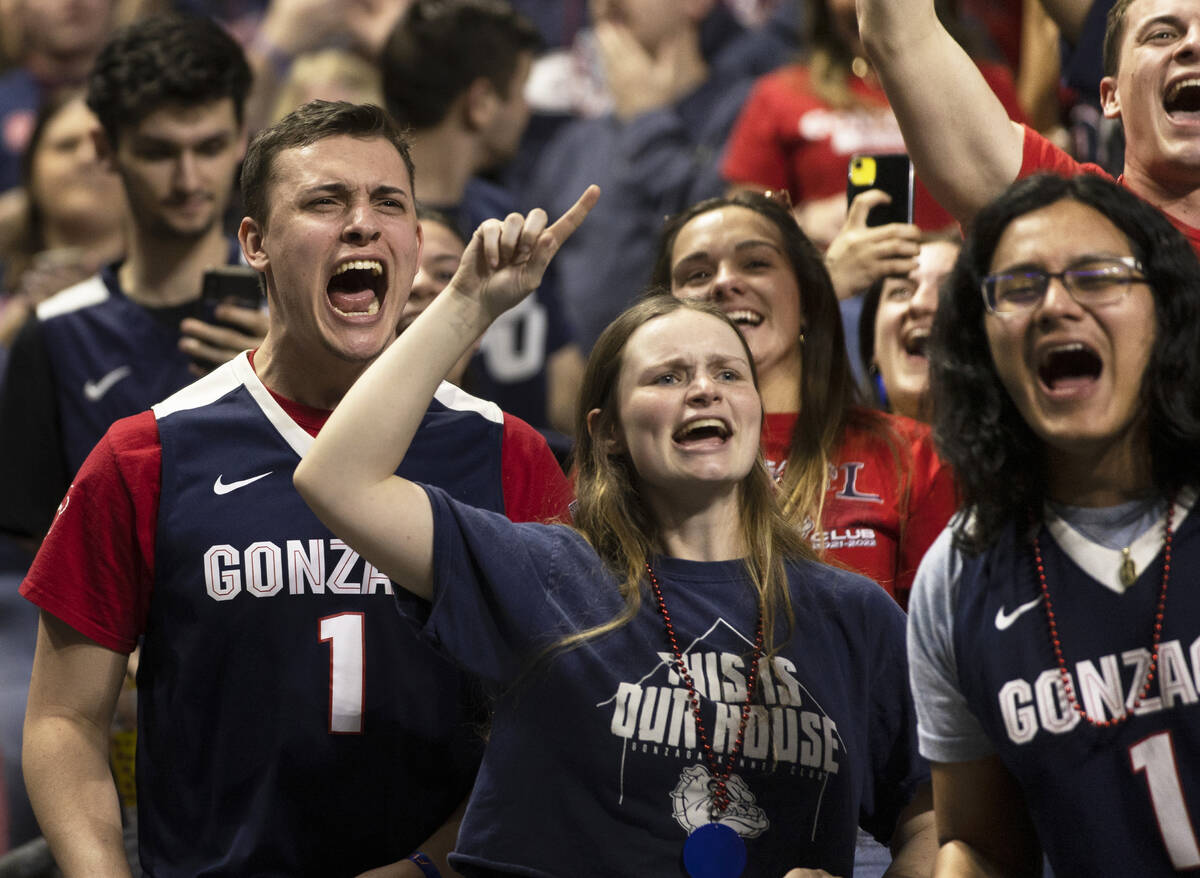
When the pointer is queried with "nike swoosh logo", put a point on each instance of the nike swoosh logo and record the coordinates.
(95, 390)
(1005, 620)
(220, 487)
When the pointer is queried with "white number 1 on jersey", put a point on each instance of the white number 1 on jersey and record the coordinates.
(1155, 756)
(344, 633)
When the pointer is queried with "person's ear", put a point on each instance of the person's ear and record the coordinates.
(479, 103)
(604, 433)
(250, 236)
(1110, 98)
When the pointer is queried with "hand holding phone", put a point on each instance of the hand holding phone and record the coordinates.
(861, 254)
(210, 341)
(233, 285)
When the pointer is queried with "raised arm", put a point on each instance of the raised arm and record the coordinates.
(348, 476)
(72, 694)
(964, 147)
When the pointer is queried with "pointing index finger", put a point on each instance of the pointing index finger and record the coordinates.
(566, 224)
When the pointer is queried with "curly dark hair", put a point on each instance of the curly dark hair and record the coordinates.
(161, 60)
(999, 461)
(439, 47)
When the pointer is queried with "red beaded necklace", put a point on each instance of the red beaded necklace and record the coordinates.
(720, 800)
(1158, 625)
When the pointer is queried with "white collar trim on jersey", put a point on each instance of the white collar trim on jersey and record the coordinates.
(1102, 563)
(226, 377)
(238, 371)
(293, 434)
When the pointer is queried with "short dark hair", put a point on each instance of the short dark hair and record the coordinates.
(1114, 33)
(165, 60)
(439, 47)
(306, 125)
(998, 459)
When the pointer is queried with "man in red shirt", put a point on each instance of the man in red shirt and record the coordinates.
(967, 151)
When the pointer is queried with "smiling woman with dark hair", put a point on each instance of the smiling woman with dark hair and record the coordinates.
(1053, 629)
(871, 480)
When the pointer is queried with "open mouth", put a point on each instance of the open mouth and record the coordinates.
(916, 343)
(1183, 99)
(1068, 367)
(702, 430)
(744, 317)
(357, 288)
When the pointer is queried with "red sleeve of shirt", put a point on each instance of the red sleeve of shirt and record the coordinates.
(1039, 155)
(535, 488)
(932, 499)
(95, 569)
(754, 153)
(1042, 155)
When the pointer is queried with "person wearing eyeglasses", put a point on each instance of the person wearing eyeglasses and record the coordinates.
(1054, 627)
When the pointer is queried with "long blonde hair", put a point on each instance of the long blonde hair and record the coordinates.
(615, 519)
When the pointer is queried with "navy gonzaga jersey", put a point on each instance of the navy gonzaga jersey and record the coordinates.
(111, 358)
(1114, 801)
(290, 722)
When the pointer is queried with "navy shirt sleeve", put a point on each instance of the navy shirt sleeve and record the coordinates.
(33, 468)
(496, 603)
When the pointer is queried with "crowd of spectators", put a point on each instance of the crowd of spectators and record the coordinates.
(720, 134)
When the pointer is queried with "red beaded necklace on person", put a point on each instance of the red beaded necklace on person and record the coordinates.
(1158, 625)
(720, 800)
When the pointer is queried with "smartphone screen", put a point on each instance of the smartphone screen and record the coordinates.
(232, 284)
(891, 173)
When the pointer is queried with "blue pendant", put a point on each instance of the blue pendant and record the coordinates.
(714, 851)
